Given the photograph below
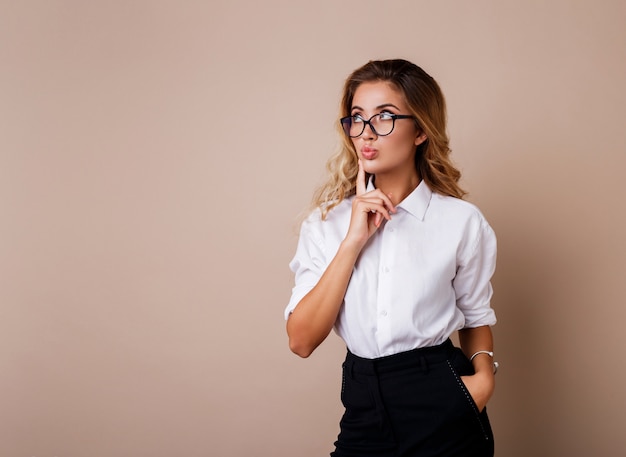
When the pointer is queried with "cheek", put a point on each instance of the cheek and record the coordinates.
(404, 144)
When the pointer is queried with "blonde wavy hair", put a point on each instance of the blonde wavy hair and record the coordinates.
(426, 102)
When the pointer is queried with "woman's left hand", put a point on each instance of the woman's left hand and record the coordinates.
(480, 386)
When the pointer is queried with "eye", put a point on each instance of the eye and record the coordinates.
(386, 116)
(357, 118)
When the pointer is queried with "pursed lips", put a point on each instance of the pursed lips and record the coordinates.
(368, 153)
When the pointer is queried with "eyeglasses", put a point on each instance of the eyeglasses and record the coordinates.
(382, 124)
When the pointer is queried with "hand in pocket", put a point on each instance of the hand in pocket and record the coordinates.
(481, 387)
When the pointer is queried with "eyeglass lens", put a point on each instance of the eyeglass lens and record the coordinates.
(355, 125)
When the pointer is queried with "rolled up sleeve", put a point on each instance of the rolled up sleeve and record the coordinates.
(472, 283)
(308, 264)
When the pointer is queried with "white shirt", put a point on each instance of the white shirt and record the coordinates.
(423, 275)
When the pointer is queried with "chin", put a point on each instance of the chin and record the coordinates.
(370, 166)
(373, 169)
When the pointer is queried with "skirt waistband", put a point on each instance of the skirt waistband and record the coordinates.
(430, 355)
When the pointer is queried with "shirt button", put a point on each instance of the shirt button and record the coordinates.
(386, 270)
(391, 229)
(383, 313)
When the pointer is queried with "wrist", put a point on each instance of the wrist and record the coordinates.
(483, 361)
(352, 245)
(485, 370)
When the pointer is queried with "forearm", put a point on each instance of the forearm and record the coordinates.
(313, 319)
(477, 339)
(482, 384)
(314, 316)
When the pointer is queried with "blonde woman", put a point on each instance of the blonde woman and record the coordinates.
(395, 261)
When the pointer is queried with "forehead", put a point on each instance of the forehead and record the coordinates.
(371, 95)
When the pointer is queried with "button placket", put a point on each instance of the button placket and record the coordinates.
(384, 318)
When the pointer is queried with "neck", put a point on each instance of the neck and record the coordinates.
(397, 187)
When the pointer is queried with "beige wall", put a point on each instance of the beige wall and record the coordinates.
(154, 157)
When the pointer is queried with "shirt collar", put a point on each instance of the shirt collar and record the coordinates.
(416, 203)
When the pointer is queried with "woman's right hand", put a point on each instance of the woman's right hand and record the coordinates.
(368, 211)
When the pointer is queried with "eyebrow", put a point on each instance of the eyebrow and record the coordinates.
(384, 105)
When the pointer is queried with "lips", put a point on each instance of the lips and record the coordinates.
(368, 153)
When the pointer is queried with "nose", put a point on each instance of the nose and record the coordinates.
(368, 132)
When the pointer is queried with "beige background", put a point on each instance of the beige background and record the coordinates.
(154, 159)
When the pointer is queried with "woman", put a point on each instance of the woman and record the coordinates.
(396, 262)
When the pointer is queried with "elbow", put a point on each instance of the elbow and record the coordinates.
(302, 341)
(300, 349)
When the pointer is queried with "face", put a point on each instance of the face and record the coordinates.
(385, 154)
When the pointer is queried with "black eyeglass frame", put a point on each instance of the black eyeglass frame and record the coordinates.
(346, 123)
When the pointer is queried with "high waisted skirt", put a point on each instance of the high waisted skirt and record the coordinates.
(412, 404)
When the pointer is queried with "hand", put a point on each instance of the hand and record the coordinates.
(480, 386)
(368, 210)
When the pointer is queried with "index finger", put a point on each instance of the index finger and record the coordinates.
(360, 180)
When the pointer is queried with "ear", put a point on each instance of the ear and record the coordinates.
(420, 138)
